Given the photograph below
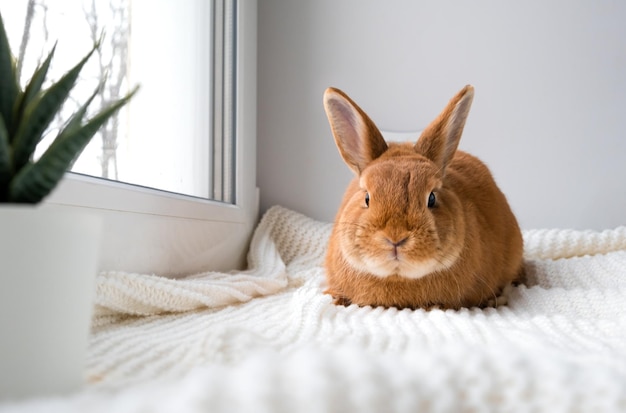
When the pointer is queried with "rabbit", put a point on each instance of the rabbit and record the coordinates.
(421, 225)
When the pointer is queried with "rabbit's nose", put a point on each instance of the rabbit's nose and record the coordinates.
(396, 244)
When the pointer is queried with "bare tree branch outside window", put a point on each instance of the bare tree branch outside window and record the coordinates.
(34, 8)
(113, 63)
(30, 11)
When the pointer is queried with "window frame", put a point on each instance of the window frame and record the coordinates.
(144, 228)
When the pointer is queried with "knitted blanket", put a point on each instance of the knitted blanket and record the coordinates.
(268, 339)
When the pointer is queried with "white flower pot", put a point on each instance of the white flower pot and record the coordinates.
(48, 263)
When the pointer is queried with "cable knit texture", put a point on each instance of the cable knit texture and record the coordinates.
(268, 339)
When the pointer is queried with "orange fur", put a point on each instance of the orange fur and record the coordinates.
(399, 252)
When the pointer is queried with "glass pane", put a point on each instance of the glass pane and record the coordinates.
(176, 134)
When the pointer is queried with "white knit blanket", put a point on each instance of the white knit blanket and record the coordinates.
(268, 339)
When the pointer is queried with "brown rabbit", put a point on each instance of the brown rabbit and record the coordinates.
(422, 224)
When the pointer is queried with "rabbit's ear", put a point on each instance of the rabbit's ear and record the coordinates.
(440, 139)
(359, 141)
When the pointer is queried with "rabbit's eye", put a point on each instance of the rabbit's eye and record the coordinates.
(431, 200)
(367, 199)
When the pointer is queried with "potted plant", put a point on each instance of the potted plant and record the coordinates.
(48, 258)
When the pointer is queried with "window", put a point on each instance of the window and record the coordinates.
(187, 140)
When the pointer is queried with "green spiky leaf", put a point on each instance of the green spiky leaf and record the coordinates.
(37, 180)
(9, 86)
(34, 85)
(77, 118)
(5, 159)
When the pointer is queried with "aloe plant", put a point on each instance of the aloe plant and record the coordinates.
(25, 115)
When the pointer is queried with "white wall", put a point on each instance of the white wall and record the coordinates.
(548, 116)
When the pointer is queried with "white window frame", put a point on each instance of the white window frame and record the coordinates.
(151, 231)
